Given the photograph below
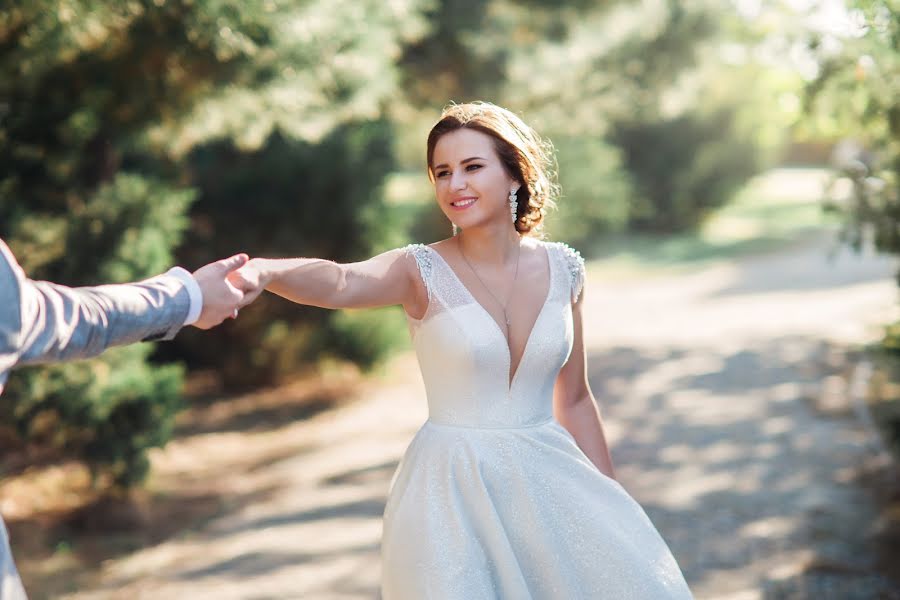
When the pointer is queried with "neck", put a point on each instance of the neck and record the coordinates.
(490, 245)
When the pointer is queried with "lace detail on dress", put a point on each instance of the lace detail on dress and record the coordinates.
(575, 263)
(423, 260)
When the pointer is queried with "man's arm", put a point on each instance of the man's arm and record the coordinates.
(61, 323)
(45, 322)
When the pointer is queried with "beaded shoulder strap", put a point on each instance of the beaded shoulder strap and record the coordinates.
(575, 263)
(423, 260)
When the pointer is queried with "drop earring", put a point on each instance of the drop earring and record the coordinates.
(513, 204)
(455, 228)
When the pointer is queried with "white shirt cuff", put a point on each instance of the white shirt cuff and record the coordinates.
(194, 292)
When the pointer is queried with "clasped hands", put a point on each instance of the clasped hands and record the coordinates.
(227, 286)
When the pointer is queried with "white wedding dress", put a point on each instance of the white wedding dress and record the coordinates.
(493, 498)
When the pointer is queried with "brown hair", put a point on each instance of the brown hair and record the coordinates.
(526, 157)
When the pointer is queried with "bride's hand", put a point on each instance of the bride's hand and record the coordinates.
(249, 280)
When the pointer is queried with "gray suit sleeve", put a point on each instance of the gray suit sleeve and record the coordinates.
(44, 322)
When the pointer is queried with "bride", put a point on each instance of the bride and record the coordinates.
(508, 489)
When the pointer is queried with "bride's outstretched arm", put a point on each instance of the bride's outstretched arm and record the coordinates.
(573, 402)
(382, 280)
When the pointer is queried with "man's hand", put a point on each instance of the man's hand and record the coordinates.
(221, 299)
(250, 280)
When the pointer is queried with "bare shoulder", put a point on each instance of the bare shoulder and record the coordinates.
(537, 248)
(441, 244)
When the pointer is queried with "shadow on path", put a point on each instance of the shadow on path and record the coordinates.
(738, 471)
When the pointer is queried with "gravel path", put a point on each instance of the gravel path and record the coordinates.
(707, 383)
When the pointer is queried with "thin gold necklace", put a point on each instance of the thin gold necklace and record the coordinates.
(512, 287)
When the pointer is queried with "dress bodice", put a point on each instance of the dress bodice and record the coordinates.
(464, 357)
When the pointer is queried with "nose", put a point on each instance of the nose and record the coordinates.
(458, 180)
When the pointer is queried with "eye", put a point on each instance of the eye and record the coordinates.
(472, 167)
(441, 173)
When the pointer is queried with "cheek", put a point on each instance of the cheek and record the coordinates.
(490, 179)
(441, 190)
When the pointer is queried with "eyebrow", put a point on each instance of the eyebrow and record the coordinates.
(462, 162)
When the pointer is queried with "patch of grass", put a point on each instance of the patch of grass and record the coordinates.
(775, 209)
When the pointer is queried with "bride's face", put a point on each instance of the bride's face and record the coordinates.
(466, 167)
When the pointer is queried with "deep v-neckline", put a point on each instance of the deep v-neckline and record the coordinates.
(512, 381)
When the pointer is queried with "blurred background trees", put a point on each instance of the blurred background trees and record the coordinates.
(143, 134)
(84, 199)
(857, 89)
(117, 117)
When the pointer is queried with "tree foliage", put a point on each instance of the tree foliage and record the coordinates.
(82, 202)
(101, 101)
(289, 198)
(857, 94)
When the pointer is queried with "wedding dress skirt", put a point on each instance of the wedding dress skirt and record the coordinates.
(493, 498)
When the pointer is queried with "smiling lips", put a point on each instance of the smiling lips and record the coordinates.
(463, 203)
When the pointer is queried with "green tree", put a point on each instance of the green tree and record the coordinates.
(80, 202)
(293, 198)
(101, 104)
(856, 94)
(296, 167)
(618, 76)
